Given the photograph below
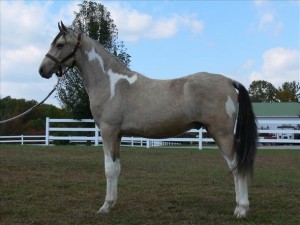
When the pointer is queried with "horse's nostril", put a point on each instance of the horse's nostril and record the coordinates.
(41, 70)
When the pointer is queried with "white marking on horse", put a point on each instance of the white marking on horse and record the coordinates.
(231, 163)
(112, 172)
(92, 55)
(230, 107)
(115, 77)
(112, 169)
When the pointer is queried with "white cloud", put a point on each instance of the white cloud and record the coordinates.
(22, 23)
(244, 70)
(267, 18)
(269, 24)
(130, 22)
(66, 14)
(134, 25)
(163, 28)
(24, 39)
(32, 90)
(17, 63)
(27, 28)
(26, 54)
(279, 65)
(248, 64)
(260, 3)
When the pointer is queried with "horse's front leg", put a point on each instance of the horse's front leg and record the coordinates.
(111, 147)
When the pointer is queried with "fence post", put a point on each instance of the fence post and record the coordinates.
(148, 143)
(96, 135)
(200, 139)
(22, 139)
(47, 131)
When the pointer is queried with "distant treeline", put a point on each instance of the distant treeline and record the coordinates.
(32, 123)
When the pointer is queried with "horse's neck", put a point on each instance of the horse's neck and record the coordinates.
(95, 64)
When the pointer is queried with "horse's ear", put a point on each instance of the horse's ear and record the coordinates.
(59, 27)
(64, 28)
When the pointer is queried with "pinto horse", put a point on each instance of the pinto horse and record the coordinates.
(124, 102)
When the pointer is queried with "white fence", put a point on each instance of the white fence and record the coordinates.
(279, 135)
(71, 138)
(23, 139)
(74, 133)
(96, 139)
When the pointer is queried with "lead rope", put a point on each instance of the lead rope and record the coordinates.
(36, 105)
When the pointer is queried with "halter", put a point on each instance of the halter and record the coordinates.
(60, 62)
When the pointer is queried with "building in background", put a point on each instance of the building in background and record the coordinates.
(288, 113)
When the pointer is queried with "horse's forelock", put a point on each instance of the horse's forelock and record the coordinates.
(61, 33)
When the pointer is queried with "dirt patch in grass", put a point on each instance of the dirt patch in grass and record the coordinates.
(66, 185)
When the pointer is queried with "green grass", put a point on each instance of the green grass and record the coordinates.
(66, 185)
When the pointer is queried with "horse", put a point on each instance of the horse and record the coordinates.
(125, 102)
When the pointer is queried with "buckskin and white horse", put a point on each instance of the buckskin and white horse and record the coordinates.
(124, 102)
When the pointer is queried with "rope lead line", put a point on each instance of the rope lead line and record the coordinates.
(36, 105)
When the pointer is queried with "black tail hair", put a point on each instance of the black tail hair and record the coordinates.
(246, 133)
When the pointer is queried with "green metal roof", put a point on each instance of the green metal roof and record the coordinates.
(278, 109)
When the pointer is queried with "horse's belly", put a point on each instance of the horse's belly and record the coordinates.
(157, 130)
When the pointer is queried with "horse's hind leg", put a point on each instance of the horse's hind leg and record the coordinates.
(242, 207)
(225, 140)
(241, 186)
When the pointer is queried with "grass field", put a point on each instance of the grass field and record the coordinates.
(66, 185)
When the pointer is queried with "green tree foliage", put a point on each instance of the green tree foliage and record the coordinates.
(289, 92)
(94, 20)
(262, 91)
(32, 123)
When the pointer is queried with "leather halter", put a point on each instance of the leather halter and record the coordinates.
(60, 62)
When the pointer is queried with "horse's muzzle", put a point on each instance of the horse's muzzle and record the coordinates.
(44, 74)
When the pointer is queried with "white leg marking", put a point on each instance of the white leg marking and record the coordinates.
(92, 55)
(242, 197)
(231, 163)
(230, 107)
(112, 172)
(241, 191)
(115, 77)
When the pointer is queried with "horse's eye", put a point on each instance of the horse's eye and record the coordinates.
(59, 45)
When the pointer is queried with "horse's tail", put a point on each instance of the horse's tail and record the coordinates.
(246, 132)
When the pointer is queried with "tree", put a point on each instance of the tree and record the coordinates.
(262, 91)
(94, 20)
(289, 92)
(32, 123)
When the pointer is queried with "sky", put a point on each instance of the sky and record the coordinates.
(245, 40)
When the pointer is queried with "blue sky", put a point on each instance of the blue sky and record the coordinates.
(244, 40)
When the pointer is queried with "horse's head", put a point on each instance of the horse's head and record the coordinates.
(62, 52)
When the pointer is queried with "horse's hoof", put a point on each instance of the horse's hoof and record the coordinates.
(107, 206)
(241, 211)
(103, 210)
